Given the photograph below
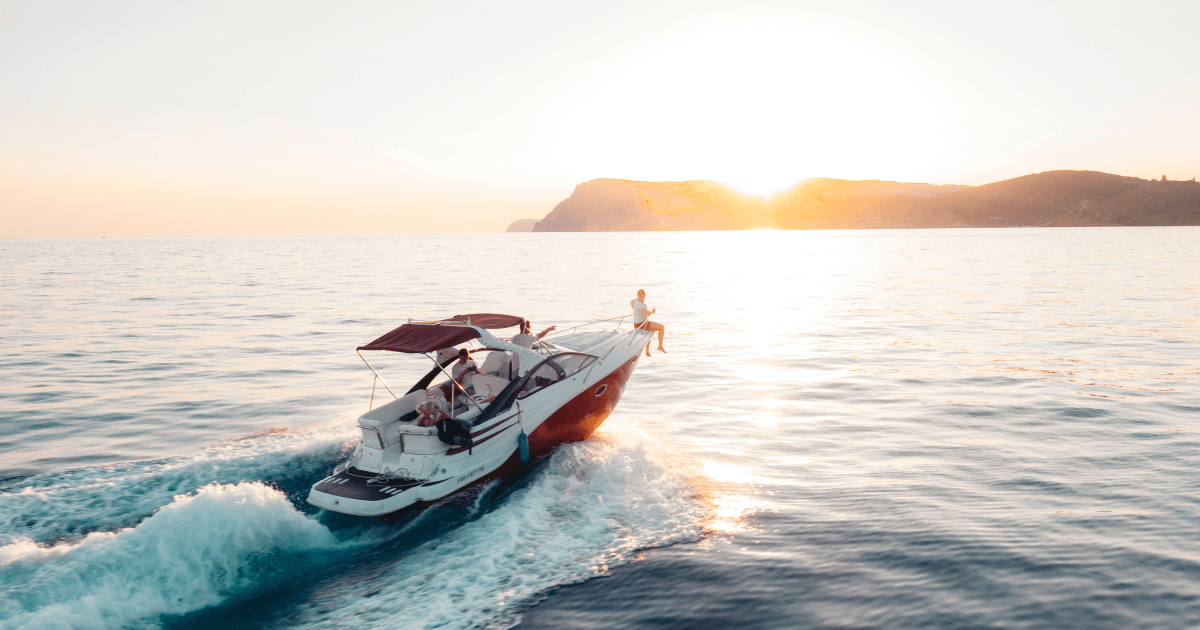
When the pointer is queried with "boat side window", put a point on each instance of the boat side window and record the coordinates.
(555, 369)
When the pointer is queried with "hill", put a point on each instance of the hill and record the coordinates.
(522, 225)
(622, 205)
(1053, 198)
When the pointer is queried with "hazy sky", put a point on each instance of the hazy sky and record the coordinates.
(172, 118)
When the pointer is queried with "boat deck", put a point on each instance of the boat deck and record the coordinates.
(361, 485)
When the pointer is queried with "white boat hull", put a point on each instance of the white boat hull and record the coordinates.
(422, 470)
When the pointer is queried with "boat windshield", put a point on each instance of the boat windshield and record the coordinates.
(553, 370)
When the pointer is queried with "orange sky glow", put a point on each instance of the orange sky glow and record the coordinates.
(224, 118)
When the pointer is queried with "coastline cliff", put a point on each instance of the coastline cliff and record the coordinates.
(622, 205)
(1050, 199)
(522, 225)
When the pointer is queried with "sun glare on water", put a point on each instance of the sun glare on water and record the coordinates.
(731, 498)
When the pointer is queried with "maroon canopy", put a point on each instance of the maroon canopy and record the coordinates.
(488, 320)
(422, 338)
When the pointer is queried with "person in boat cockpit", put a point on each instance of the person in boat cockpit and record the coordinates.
(526, 340)
(429, 413)
(641, 319)
(462, 370)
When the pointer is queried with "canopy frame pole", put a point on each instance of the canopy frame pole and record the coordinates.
(455, 384)
(385, 385)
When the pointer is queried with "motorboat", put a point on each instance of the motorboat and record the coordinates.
(516, 407)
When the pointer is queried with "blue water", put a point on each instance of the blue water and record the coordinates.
(852, 429)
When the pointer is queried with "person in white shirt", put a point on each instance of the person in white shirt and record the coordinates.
(526, 340)
(463, 369)
(641, 319)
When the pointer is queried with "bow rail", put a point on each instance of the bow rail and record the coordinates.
(599, 321)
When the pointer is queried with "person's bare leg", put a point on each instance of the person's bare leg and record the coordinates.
(647, 348)
(660, 329)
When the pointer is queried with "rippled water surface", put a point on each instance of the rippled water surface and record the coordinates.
(861, 429)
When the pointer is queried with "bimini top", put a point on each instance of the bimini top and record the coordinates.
(432, 336)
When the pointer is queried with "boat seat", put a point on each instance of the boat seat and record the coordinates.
(389, 421)
(438, 396)
(441, 390)
(386, 414)
(416, 439)
(499, 364)
(488, 386)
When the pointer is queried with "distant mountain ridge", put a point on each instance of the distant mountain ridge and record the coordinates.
(1053, 198)
(622, 205)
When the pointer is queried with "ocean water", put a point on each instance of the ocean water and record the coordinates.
(851, 429)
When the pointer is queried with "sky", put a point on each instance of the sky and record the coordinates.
(159, 118)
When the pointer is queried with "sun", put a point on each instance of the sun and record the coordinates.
(754, 105)
(764, 182)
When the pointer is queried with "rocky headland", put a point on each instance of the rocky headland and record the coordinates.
(522, 225)
(1050, 199)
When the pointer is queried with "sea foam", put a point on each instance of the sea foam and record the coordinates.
(592, 507)
(63, 506)
(219, 542)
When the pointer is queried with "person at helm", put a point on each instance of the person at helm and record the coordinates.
(464, 369)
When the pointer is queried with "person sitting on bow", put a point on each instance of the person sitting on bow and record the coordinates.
(641, 319)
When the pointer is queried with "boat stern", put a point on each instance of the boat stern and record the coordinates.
(361, 493)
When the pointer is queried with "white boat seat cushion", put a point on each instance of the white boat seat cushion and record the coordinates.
(489, 386)
(389, 413)
(498, 364)
(435, 394)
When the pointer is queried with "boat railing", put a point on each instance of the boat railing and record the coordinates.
(599, 321)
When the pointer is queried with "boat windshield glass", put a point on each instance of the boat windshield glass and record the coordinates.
(572, 362)
(555, 369)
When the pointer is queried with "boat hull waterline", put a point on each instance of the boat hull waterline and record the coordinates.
(568, 411)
